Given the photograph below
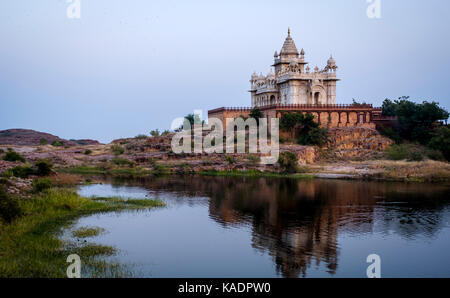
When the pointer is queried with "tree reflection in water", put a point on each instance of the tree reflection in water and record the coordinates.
(297, 221)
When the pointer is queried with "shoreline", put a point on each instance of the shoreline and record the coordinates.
(392, 173)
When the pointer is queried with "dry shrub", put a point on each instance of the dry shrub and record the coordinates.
(422, 171)
(63, 179)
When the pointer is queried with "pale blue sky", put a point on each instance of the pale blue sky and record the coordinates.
(128, 66)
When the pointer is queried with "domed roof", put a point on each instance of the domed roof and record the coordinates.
(271, 75)
(254, 76)
(289, 47)
(331, 61)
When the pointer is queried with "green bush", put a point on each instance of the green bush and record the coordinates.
(57, 143)
(141, 137)
(117, 149)
(122, 162)
(43, 141)
(316, 136)
(435, 155)
(397, 152)
(41, 184)
(12, 155)
(87, 152)
(407, 152)
(43, 167)
(304, 128)
(392, 134)
(155, 133)
(288, 162)
(440, 140)
(415, 155)
(230, 159)
(9, 207)
(2, 151)
(19, 171)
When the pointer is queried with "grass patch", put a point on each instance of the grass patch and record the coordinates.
(132, 203)
(110, 171)
(92, 250)
(86, 232)
(30, 246)
(403, 171)
(254, 173)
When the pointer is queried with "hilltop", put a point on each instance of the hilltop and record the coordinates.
(28, 137)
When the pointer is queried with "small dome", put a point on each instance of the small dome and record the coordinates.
(276, 54)
(302, 52)
(254, 76)
(271, 76)
(331, 61)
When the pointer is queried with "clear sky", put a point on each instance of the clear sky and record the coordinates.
(129, 66)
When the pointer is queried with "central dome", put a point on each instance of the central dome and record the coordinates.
(289, 47)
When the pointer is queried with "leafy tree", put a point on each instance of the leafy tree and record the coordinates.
(194, 118)
(256, 114)
(155, 133)
(357, 103)
(415, 121)
(440, 140)
(289, 121)
(388, 108)
(43, 167)
(305, 128)
(316, 136)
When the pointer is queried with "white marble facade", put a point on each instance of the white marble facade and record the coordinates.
(291, 81)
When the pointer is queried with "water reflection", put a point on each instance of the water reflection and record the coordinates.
(298, 222)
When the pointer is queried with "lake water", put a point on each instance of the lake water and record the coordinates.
(258, 227)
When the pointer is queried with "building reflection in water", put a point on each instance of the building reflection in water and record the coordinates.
(298, 221)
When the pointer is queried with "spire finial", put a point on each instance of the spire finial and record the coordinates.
(289, 31)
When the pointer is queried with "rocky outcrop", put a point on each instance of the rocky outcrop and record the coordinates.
(27, 137)
(86, 142)
(357, 142)
(305, 154)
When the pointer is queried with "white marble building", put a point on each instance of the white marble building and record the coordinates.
(291, 81)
